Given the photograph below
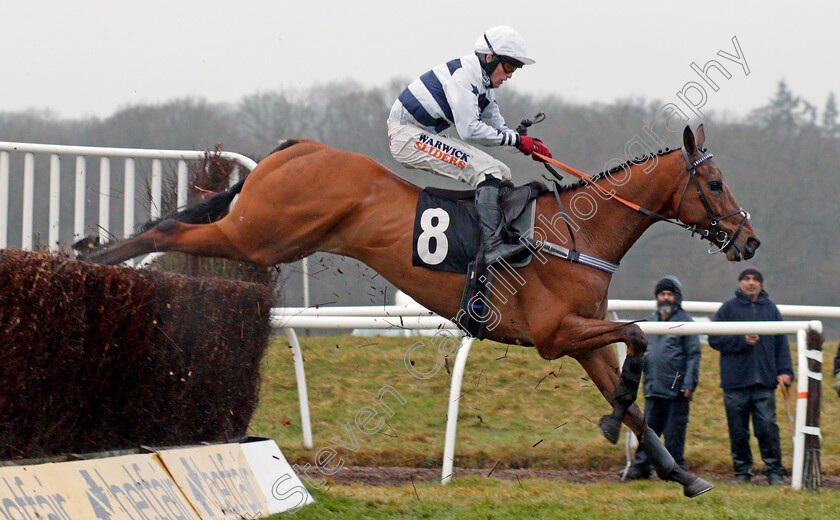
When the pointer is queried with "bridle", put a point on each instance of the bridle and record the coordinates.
(714, 231)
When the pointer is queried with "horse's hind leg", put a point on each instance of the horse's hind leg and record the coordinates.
(169, 235)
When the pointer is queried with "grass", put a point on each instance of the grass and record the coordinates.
(516, 410)
(478, 497)
(512, 399)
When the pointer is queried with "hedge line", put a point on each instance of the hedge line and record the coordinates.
(96, 358)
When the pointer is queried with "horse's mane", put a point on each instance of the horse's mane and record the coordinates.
(602, 175)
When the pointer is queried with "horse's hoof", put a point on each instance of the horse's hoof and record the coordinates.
(697, 487)
(610, 427)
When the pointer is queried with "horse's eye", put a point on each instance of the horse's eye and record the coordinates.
(716, 186)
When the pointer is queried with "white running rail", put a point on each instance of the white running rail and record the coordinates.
(417, 317)
(82, 154)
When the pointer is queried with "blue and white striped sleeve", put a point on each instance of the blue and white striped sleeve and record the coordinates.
(465, 103)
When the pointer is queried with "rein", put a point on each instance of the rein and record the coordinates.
(713, 231)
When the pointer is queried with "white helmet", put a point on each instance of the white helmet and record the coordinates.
(504, 42)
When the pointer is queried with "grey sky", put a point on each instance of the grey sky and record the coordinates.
(90, 57)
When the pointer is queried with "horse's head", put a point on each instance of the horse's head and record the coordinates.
(707, 203)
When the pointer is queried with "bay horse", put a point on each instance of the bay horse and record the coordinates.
(307, 197)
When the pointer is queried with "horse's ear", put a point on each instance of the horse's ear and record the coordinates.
(701, 136)
(689, 145)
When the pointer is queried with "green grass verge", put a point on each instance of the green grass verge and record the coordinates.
(479, 497)
(516, 409)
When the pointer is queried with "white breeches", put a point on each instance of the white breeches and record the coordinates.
(414, 147)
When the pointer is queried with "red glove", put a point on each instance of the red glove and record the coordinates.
(528, 145)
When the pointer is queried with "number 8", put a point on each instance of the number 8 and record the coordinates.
(436, 231)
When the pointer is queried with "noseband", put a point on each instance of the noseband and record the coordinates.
(714, 231)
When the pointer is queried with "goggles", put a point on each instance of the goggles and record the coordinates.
(508, 66)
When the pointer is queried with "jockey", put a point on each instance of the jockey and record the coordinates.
(460, 93)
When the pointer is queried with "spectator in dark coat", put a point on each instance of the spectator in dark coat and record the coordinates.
(672, 368)
(750, 367)
(837, 371)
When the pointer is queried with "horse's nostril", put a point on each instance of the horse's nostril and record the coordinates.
(750, 247)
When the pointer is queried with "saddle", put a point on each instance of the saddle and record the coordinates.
(512, 199)
(447, 238)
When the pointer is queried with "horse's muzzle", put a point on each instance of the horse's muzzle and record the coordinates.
(735, 252)
(752, 244)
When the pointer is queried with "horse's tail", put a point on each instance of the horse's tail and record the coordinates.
(213, 207)
(208, 210)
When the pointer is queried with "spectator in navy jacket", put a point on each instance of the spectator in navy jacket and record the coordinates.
(672, 368)
(837, 371)
(750, 368)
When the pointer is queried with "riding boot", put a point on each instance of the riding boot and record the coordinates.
(667, 469)
(489, 221)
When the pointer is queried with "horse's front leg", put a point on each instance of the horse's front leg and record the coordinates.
(602, 366)
(627, 388)
(578, 335)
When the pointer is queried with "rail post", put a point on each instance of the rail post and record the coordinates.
(303, 395)
(452, 414)
(805, 375)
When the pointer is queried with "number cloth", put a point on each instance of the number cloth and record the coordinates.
(445, 234)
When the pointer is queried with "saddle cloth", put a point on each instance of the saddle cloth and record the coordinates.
(446, 233)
